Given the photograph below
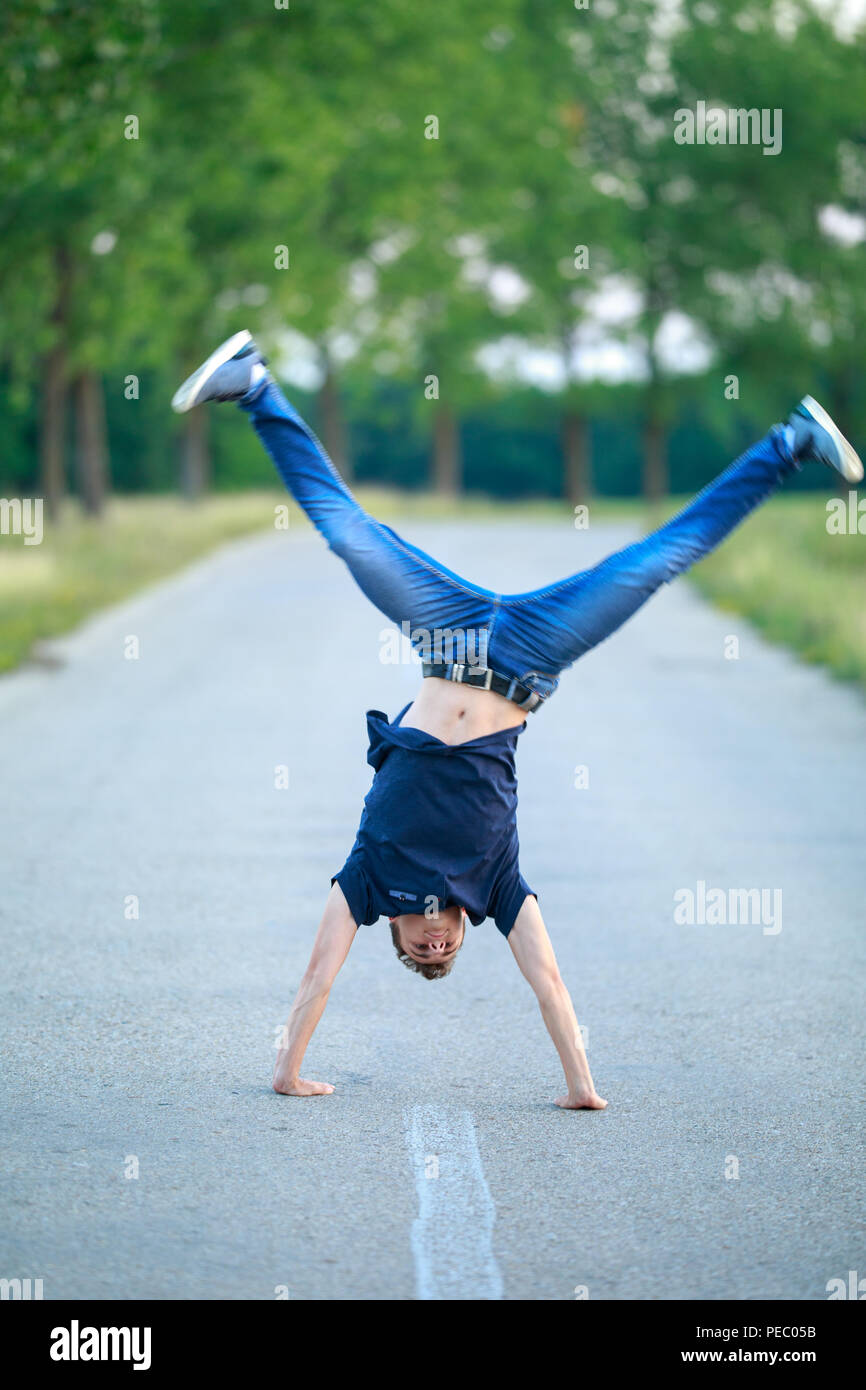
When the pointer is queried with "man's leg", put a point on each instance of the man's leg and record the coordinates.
(547, 630)
(404, 583)
(561, 623)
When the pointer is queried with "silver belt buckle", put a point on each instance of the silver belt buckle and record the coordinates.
(488, 680)
(457, 672)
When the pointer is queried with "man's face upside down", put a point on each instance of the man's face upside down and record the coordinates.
(429, 945)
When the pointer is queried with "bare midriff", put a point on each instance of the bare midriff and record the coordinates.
(458, 713)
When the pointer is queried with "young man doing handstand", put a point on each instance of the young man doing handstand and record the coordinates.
(437, 840)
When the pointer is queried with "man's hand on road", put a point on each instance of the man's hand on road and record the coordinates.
(288, 1085)
(583, 1100)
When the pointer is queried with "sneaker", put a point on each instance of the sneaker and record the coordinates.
(816, 436)
(236, 368)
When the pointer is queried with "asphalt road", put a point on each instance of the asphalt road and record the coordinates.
(160, 893)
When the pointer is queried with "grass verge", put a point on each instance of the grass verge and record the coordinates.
(799, 585)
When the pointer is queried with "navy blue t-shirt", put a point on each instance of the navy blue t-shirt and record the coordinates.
(439, 827)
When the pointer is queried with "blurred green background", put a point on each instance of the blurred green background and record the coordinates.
(469, 242)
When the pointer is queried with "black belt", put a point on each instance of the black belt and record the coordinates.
(481, 678)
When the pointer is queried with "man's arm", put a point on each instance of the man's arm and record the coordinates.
(335, 935)
(533, 952)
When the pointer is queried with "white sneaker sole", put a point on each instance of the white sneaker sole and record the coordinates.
(187, 395)
(849, 464)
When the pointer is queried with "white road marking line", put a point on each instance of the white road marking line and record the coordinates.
(453, 1232)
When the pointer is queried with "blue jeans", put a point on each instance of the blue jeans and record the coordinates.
(529, 637)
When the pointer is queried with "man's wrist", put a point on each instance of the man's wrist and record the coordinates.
(288, 1072)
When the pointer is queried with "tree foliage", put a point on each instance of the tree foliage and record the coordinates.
(420, 193)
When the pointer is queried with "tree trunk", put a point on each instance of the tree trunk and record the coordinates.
(655, 462)
(195, 458)
(576, 457)
(52, 429)
(334, 434)
(447, 454)
(91, 452)
(656, 483)
(54, 397)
